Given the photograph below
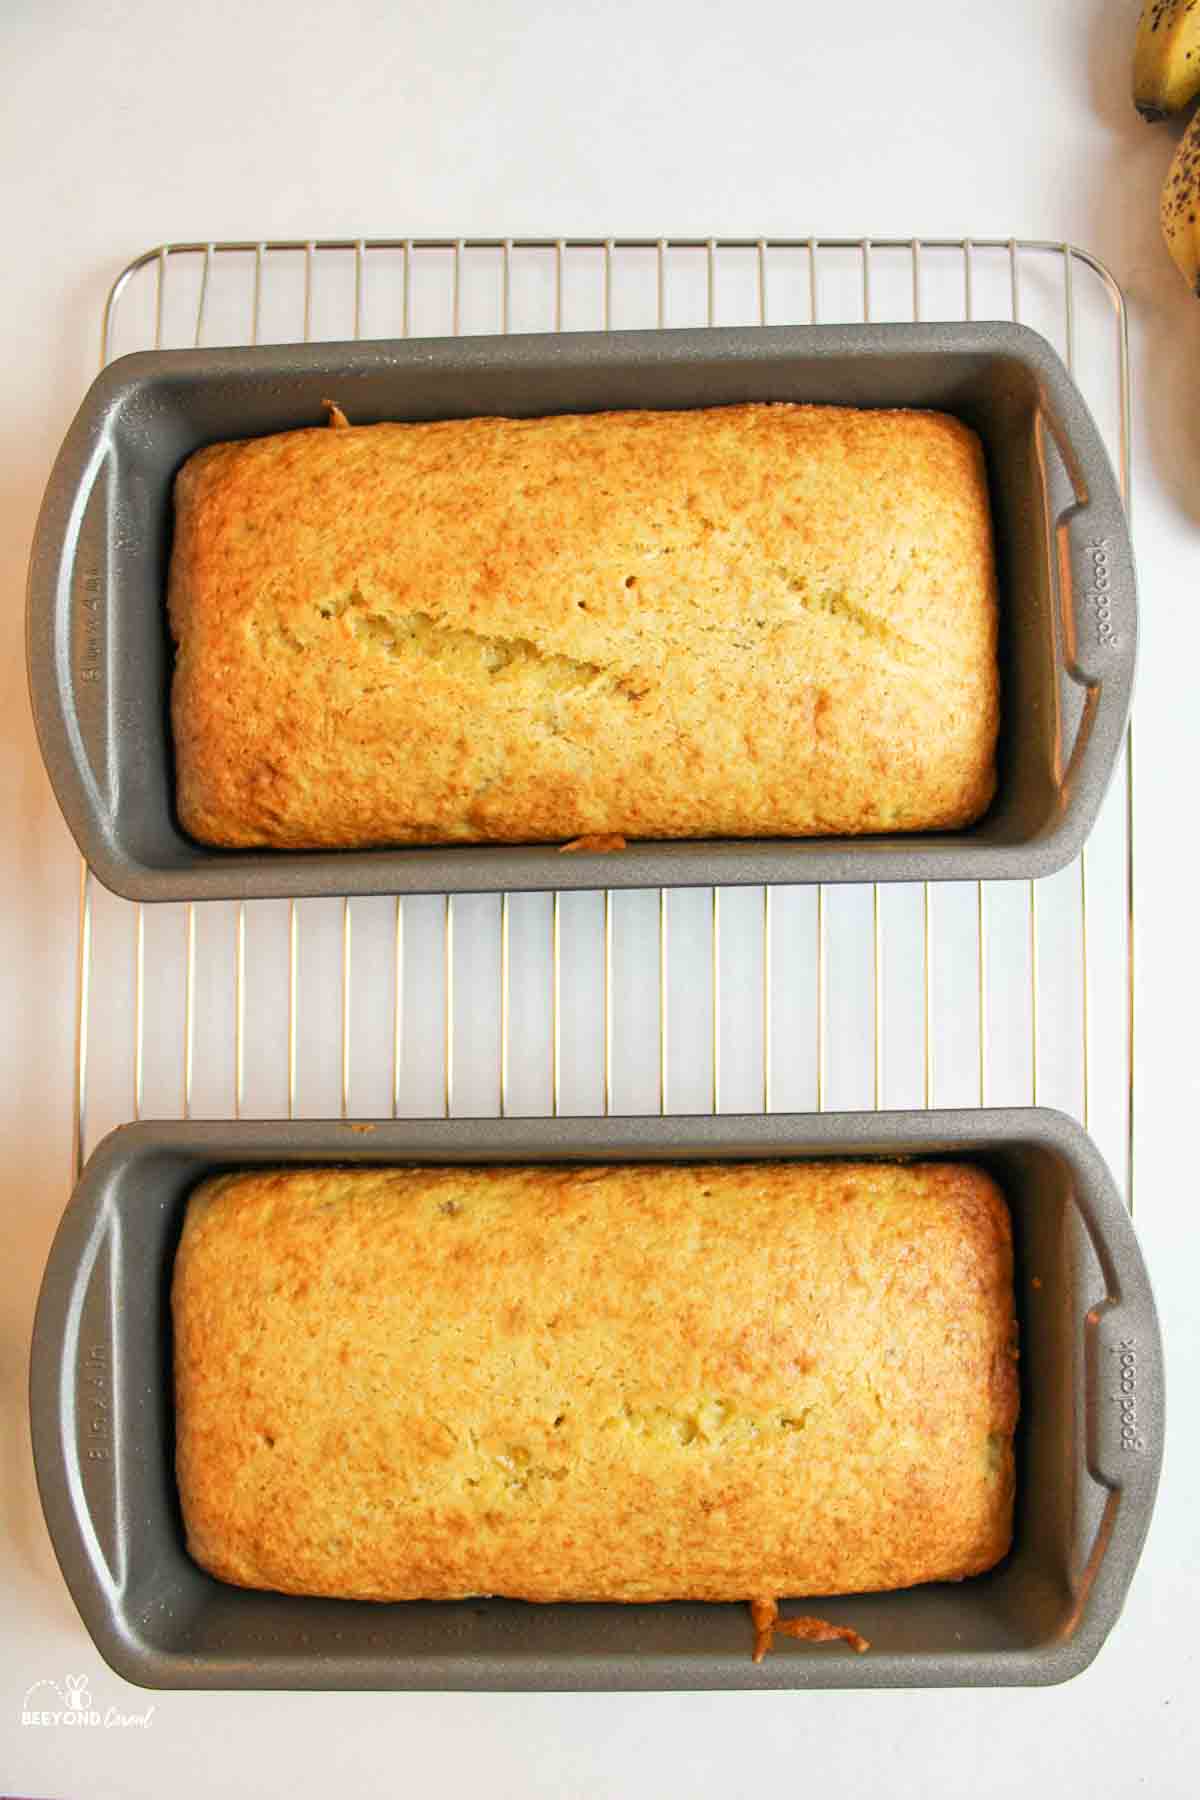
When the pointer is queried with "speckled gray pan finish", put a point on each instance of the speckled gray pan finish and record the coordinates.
(100, 659)
(1089, 1442)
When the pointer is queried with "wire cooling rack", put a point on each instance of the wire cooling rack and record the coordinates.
(674, 1000)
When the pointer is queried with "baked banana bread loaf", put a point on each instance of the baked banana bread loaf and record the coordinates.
(750, 621)
(636, 1383)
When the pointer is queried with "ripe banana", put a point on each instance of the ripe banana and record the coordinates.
(1166, 58)
(1181, 206)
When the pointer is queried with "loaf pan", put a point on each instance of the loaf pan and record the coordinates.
(100, 659)
(1088, 1449)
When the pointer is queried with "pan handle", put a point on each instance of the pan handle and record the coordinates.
(1097, 597)
(1123, 1359)
(1125, 1410)
(74, 1398)
(67, 635)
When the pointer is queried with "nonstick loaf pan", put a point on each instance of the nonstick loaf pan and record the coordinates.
(1089, 1442)
(100, 658)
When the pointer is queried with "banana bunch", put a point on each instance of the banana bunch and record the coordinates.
(1166, 76)
(1166, 58)
(1181, 207)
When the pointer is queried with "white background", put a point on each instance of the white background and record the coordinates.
(125, 125)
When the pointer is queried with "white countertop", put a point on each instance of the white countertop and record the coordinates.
(121, 130)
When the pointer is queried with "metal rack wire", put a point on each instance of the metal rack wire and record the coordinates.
(673, 1001)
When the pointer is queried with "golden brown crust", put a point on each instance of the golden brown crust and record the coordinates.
(628, 1383)
(764, 1616)
(599, 842)
(735, 622)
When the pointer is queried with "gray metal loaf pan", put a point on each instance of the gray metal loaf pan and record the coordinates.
(100, 659)
(1089, 1442)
